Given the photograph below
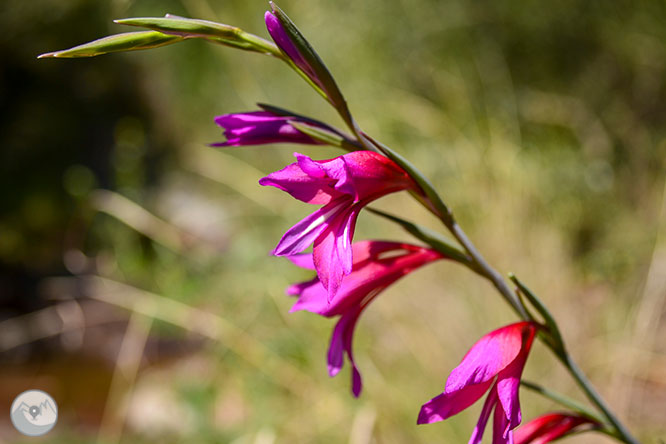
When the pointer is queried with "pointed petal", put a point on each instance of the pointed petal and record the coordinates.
(310, 167)
(491, 354)
(312, 189)
(508, 381)
(357, 383)
(491, 401)
(332, 252)
(305, 232)
(313, 297)
(446, 405)
(303, 260)
(303, 288)
(341, 343)
(508, 386)
(501, 432)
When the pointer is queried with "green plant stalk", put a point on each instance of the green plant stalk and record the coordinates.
(622, 433)
(479, 265)
(574, 406)
(563, 401)
(430, 199)
(498, 282)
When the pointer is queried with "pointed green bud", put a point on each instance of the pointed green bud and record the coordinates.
(130, 41)
(212, 31)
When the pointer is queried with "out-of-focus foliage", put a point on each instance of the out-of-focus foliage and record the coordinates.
(542, 125)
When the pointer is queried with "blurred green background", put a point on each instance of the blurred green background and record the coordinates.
(135, 281)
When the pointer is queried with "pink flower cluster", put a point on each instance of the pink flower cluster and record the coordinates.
(349, 276)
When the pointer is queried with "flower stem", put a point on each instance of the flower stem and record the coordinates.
(434, 203)
(623, 434)
(488, 272)
(491, 274)
(562, 400)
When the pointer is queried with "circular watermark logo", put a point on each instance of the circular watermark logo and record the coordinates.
(34, 412)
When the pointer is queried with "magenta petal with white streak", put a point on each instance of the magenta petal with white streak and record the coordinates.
(344, 185)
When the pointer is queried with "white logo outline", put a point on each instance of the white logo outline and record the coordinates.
(34, 412)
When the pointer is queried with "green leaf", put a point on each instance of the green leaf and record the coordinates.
(130, 41)
(324, 76)
(430, 237)
(212, 31)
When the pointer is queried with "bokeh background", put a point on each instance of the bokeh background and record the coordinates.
(135, 281)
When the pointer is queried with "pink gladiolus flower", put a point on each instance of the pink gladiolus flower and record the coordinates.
(376, 266)
(495, 362)
(343, 185)
(550, 427)
(261, 127)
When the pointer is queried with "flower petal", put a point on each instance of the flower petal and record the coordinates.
(549, 427)
(367, 175)
(303, 260)
(332, 252)
(491, 401)
(305, 232)
(502, 434)
(282, 40)
(308, 188)
(508, 381)
(260, 127)
(312, 297)
(491, 354)
(341, 343)
(446, 404)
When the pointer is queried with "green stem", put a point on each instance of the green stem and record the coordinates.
(434, 203)
(487, 270)
(563, 400)
(622, 433)
(481, 266)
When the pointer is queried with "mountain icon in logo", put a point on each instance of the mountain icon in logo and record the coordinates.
(34, 413)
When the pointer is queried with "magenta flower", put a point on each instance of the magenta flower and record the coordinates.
(376, 266)
(343, 185)
(261, 127)
(495, 362)
(549, 427)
